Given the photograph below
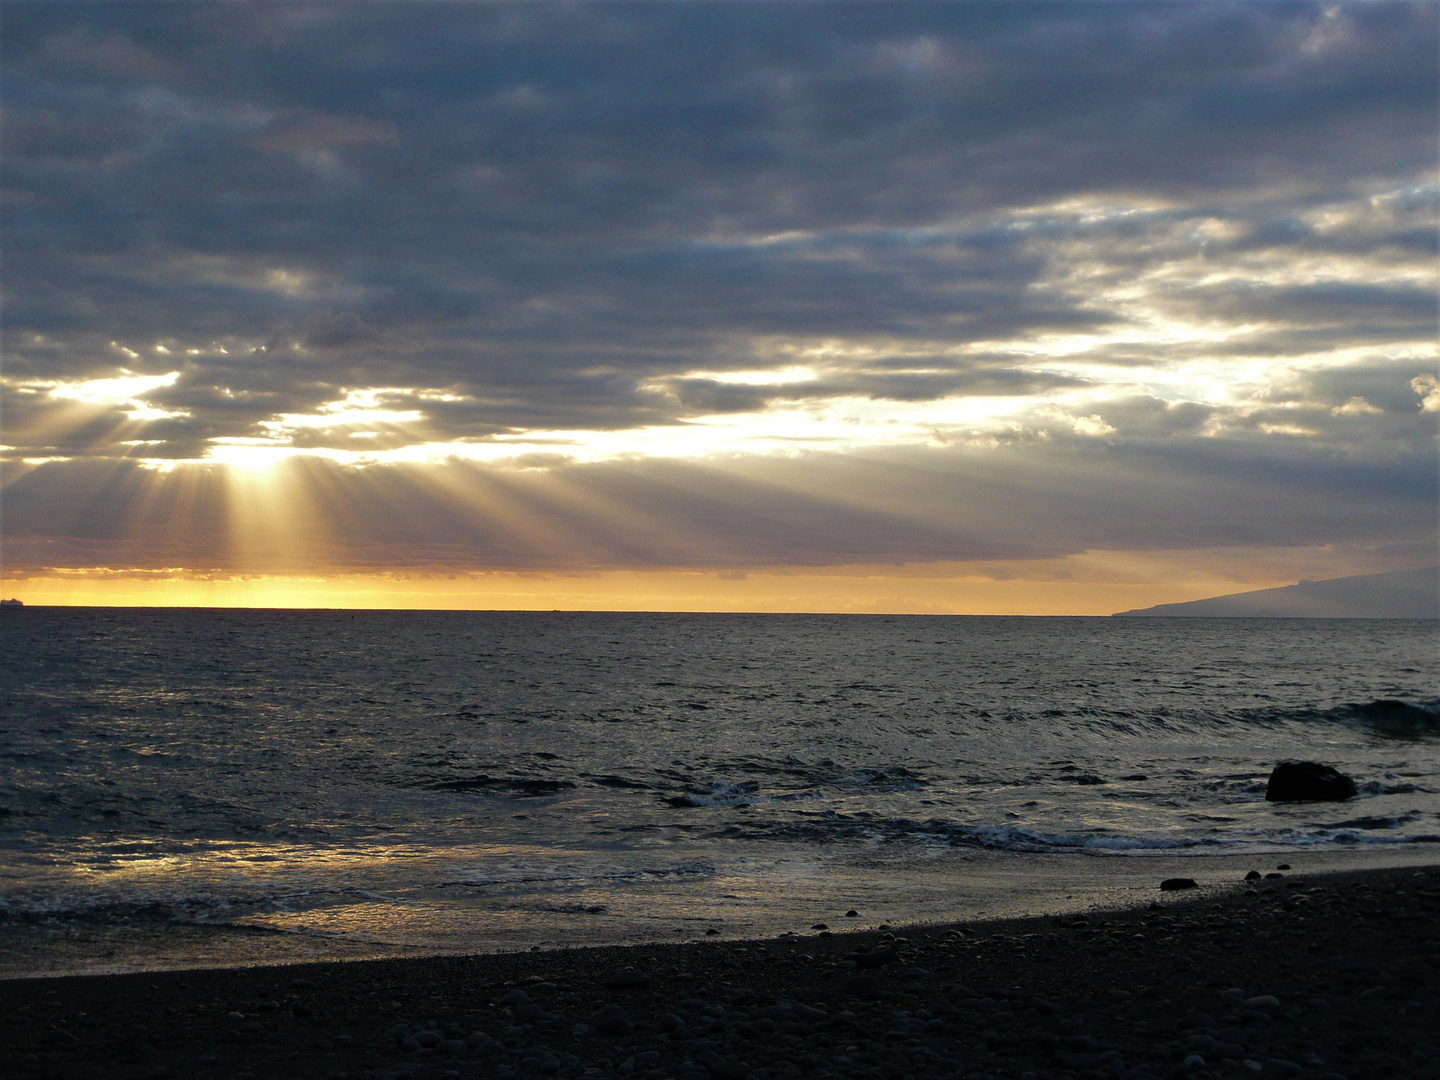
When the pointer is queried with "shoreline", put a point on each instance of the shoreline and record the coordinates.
(1345, 963)
(957, 885)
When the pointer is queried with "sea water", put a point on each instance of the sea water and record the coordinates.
(443, 781)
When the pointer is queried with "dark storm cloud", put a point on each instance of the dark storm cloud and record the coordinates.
(531, 216)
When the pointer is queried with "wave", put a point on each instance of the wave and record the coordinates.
(167, 905)
(520, 786)
(569, 875)
(720, 794)
(811, 781)
(836, 828)
(1387, 716)
(1398, 718)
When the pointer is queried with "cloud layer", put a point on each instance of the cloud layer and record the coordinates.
(715, 285)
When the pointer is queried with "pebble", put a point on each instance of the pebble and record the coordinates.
(1174, 884)
(861, 985)
(1266, 1002)
(611, 1020)
(1281, 1067)
(629, 979)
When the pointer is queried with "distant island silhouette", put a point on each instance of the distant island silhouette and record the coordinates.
(1399, 594)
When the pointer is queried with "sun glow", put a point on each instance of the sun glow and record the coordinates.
(1091, 583)
(126, 391)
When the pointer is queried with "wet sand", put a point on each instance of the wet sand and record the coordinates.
(1306, 974)
(887, 886)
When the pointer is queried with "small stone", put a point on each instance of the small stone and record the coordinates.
(611, 1020)
(819, 926)
(1282, 866)
(1265, 1002)
(629, 979)
(852, 914)
(728, 1070)
(877, 958)
(1253, 875)
(861, 985)
(1174, 884)
(1193, 1061)
(1281, 1067)
(516, 998)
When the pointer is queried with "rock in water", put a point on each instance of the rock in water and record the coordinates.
(1308, 781)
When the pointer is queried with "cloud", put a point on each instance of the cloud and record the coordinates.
(454, 253)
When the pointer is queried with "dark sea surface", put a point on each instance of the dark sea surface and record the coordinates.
(457, 780)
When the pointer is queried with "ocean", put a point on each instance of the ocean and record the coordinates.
(381, 783)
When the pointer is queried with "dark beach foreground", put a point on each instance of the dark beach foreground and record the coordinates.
(1303, 976)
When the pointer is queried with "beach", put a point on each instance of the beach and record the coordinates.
(1289, 974)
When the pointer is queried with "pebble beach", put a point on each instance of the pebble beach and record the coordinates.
(1280, 975)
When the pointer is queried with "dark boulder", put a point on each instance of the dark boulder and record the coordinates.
(861, 986)
(629, 979)
(871, 960)
(1308, 781)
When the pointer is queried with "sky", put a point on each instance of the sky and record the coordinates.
(945, 307)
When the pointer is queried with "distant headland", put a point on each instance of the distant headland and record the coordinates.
(1399, 594)
(12, 603)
